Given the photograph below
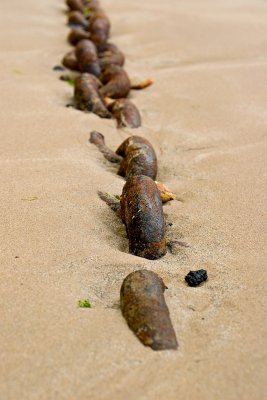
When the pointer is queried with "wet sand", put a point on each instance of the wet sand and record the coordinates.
(206, 117)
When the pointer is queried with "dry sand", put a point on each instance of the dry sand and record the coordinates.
(206, 116)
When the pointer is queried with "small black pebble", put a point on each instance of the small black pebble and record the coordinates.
(194, 278)
(58, 68)
(69, 105)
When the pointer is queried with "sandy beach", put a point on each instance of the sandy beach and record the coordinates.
(206, 116)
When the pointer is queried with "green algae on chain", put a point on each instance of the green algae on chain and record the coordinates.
(144, 308)
(87, 12)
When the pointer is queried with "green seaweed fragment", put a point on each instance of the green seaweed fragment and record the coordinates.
(84, 304)
(87, 12)
(18, 72)
(70, 81)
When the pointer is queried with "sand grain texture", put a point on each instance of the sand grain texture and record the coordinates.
(206, 117)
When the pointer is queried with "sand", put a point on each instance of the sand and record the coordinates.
(206, 116)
